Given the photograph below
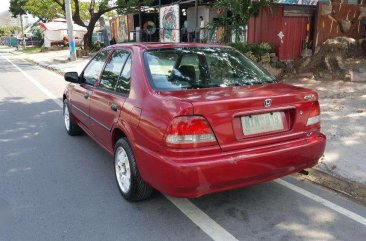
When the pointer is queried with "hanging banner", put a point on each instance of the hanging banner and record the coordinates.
(123, 29)
(169, 24)
(113, 23)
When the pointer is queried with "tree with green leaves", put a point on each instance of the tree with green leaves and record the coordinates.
(16, 7)
(85, 13)
(236, 15)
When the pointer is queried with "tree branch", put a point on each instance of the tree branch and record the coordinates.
(62, 4)
(92, 7)
(76, 16)
(101, 12)
(58, 2)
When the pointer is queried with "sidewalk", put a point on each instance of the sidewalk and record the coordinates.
(53, 60)
(343, 106)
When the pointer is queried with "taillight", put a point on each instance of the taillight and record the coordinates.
(314, 116)
(190, 131)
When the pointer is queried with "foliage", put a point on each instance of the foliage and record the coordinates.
(9, 30)
(238, 13)
(47, 10)
(95, 46)
(255, 52)
(37, 34)
(44, 9)
(16, 8)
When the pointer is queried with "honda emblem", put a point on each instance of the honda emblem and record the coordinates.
(267, 102)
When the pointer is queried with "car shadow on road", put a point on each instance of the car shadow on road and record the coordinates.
(55, 185)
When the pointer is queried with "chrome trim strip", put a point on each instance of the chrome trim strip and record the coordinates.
(96, 121)
(82, 112)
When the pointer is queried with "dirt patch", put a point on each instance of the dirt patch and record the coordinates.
(335, 58)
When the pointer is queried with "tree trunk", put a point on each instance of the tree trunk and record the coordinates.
(89, 34)
(88, 39)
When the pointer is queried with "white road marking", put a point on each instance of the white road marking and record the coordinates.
(202, 220)
(316, 198)
(196, 215)
(36, 83)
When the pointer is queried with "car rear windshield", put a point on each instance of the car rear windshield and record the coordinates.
(196, 68)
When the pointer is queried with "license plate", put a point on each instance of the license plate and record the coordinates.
(268, 122)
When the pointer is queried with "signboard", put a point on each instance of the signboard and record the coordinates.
(169, 24)
(297, 2)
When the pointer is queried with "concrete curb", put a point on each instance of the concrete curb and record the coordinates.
(49, 67)
(350, 189)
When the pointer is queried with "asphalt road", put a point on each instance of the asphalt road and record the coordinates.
(57, 187)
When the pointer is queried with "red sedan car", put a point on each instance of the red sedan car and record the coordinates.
(191, 119)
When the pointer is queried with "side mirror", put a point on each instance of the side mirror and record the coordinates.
(72, 77)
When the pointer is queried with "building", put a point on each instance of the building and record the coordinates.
(291, 26)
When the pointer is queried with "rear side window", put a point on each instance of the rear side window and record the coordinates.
(94, 68)
(124, 82)
(112, 70)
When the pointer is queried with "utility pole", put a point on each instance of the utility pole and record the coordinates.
(70, 30)
(22, 27)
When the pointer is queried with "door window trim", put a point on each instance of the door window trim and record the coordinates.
(119, 78)
(97, 85)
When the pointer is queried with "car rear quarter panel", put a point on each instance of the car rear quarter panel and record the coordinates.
(146, 114)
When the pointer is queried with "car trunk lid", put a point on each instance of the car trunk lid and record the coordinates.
(251, 116)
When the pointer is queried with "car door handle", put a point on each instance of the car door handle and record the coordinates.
(114, 107)
(86, 95)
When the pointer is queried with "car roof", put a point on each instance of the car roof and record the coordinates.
(158, 45)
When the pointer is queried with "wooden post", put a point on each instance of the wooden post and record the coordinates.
(196, 30)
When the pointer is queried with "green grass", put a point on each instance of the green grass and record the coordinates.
(31, 50)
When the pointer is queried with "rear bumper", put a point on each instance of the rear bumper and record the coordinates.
(194, 176)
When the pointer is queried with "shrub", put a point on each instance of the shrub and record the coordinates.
(253, 51)
(250, 55)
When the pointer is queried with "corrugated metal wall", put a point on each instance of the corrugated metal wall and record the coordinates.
(286, 34)
(328, 26)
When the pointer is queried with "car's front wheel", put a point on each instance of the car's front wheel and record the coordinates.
(129, 181)
(70, 125)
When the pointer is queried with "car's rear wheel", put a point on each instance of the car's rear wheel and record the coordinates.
(70, 125)
(129, 181)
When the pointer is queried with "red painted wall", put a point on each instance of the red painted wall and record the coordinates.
(266, 26)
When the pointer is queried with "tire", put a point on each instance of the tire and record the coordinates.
(70, 125)
(128, 178)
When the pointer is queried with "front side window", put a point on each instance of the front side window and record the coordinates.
(194, 68)
(94, 68)
(112, 70)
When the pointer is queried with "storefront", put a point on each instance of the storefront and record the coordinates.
(166, 21)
